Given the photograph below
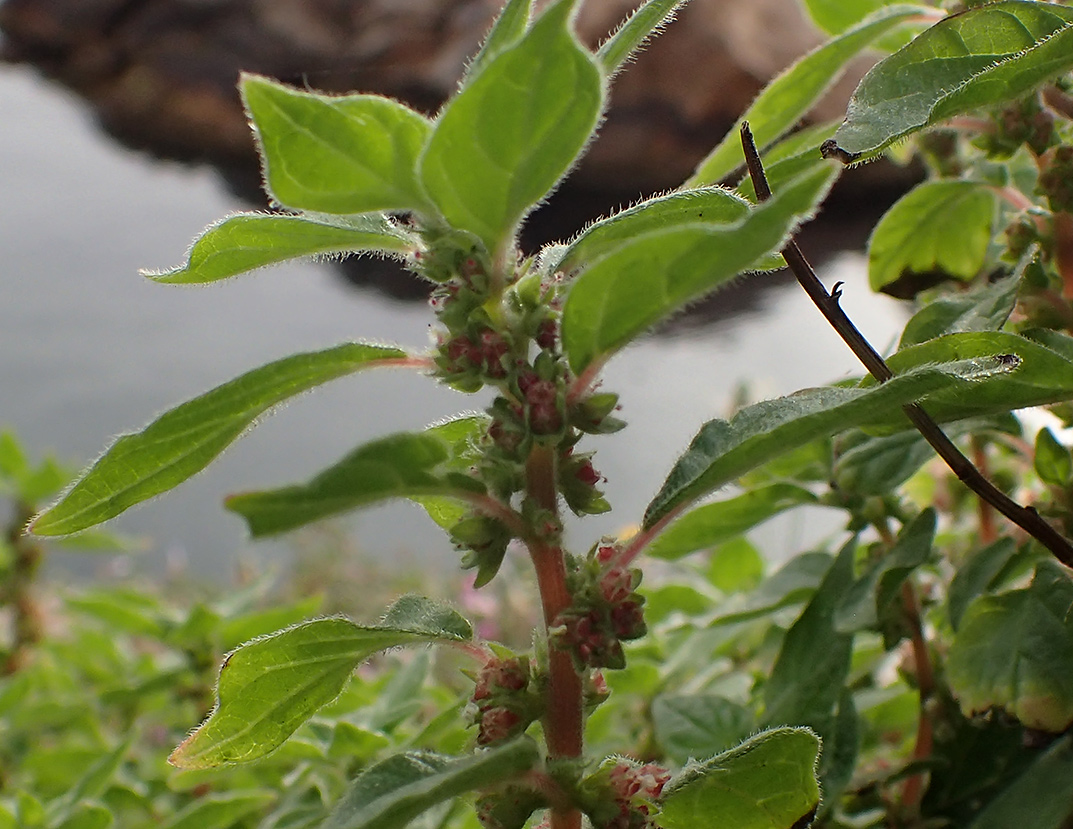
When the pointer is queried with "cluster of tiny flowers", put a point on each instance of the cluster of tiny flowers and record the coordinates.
(607, 610)
(502, 704)
(635, 790)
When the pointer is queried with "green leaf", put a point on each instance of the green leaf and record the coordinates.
(87, 816)
(979, 574)
(940, 229)
(869, 465)
(463, 435)
(710, 525)
(841, 748)
(983, 309)
(791, 584)
(768, 782)
(790, 95)
(646, 280)
(864, 602)
(983, 56)
(703, 206)
(724, 450)
(514, 130)
(1053, 461)
(1037, 375)
(507, 29)
(397, 790)
(834, 16)
(93, 782)
(736, 567)
(186, 439)
(1040, 798)
(252, 240)
(647, 20)
(1015, 651)
(402, 465)
(13, 461)
(806, 680)
(271, 686)
(220, 811)
(336, 154)
(699, 725)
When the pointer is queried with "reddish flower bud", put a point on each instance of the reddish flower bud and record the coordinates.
(498, 724)
(605, 553)
(616, 585)
(548, 334)
(628, 621)
(587, 474)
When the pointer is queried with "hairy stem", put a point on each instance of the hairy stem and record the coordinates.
(562, 722)
(1024, 517)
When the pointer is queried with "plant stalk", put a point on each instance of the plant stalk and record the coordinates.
(563, 720)
(1024, 517)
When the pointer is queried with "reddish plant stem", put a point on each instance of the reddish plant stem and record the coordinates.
(988, 530)
(913, 790)
(562, 722)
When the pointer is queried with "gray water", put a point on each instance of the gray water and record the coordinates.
(91, 349)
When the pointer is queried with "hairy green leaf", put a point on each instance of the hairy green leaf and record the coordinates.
(184, 440)
(1014, 651)
(396, 790)
(507, 29)
(806, 680)
(724, 450)
(1036, 375)
(511, 133)
(402, 465)
(699, 725)
(252, 240)
(647, 20)
(703, 206)
(940, 229)
(270, 686)
(712, 524)
(983, 56)
(646, 280)
(863, 603)
(768, 782)
(336, 154)
(787, 98)
(983, 309)
(877, 465)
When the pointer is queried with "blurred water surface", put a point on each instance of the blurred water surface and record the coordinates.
(91, 349)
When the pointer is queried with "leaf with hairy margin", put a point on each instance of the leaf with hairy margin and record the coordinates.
(983, 56)
(724, 450)
(252, 240)
(184, 440)
(395, 791)
(767, 782)
(646, 280)
(403, 465)
(271, 686)
(787, 98)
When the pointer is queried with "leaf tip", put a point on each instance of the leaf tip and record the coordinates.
(830, 149)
